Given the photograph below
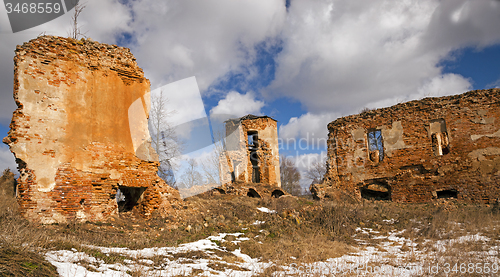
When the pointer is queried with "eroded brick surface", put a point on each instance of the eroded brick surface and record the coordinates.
(252, 153)
(80, 132)
(418, 151)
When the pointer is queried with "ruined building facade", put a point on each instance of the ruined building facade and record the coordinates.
(251, 151)
(447, 147)
(80, 133)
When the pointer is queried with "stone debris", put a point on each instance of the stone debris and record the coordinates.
(255, 190)
(434, 148)
(80, 134)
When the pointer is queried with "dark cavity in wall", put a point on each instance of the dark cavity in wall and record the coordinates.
(255, 167)
(446, 194)
(417, 168)
(253, 145)
(253, 193)
(277, 193)
(128, 197)
(221, 191)
(376, 190)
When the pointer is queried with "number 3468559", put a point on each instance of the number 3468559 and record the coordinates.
(33, 7)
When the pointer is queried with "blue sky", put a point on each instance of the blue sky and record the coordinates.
(305, 63)
(479, 65)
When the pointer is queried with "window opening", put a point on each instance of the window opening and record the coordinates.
(253, 138)
(254, 159)
(253, 144)
(375, 146)
(439, 137)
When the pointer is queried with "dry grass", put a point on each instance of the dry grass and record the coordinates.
(16, 261)
(19, 242)
(300, 231)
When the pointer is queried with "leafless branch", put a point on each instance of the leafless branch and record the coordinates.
(76, 32)
(163, 138)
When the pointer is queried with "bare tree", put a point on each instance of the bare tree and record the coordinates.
(191, 177)
(163, 138)
(76, 31)
(210, 165)
(290, 176)
(316, 171)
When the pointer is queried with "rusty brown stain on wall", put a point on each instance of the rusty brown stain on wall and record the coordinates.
(431, 148)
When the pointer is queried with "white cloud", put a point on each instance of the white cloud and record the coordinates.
(342, 55)
(238, 105)
(495, 84)
(310, 129)
(207, 39)
(7, 159)
(100, 20)
(183, 105)
(307, 131)
(338, 56)
(447, 84)
(441, 85)
(304, 163)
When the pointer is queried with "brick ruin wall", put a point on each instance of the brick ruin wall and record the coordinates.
(80, 132)
(418, 151)
(236, 161)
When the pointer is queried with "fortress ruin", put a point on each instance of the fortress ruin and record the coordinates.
(80, 133)
(251, 157)
(447, 147)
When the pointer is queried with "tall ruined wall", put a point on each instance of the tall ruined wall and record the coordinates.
(243, 159)
(418, 151)
(80, 131)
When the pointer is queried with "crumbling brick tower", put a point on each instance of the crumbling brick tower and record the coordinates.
(447, 147)
(80, 132)
(251, 154)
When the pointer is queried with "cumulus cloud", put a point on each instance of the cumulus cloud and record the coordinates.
(441, 85)
(342, 55)
(238, 104)
(206, 39)
(96, 21)
(307, 132)
(7, 159)
(305, 162)
(495, 84)
(337, 56)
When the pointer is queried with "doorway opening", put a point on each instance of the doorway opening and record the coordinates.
(128, 197)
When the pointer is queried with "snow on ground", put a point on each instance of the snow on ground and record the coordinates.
(388, 258)
(266, 210)
(387, 254)
(75, 264)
